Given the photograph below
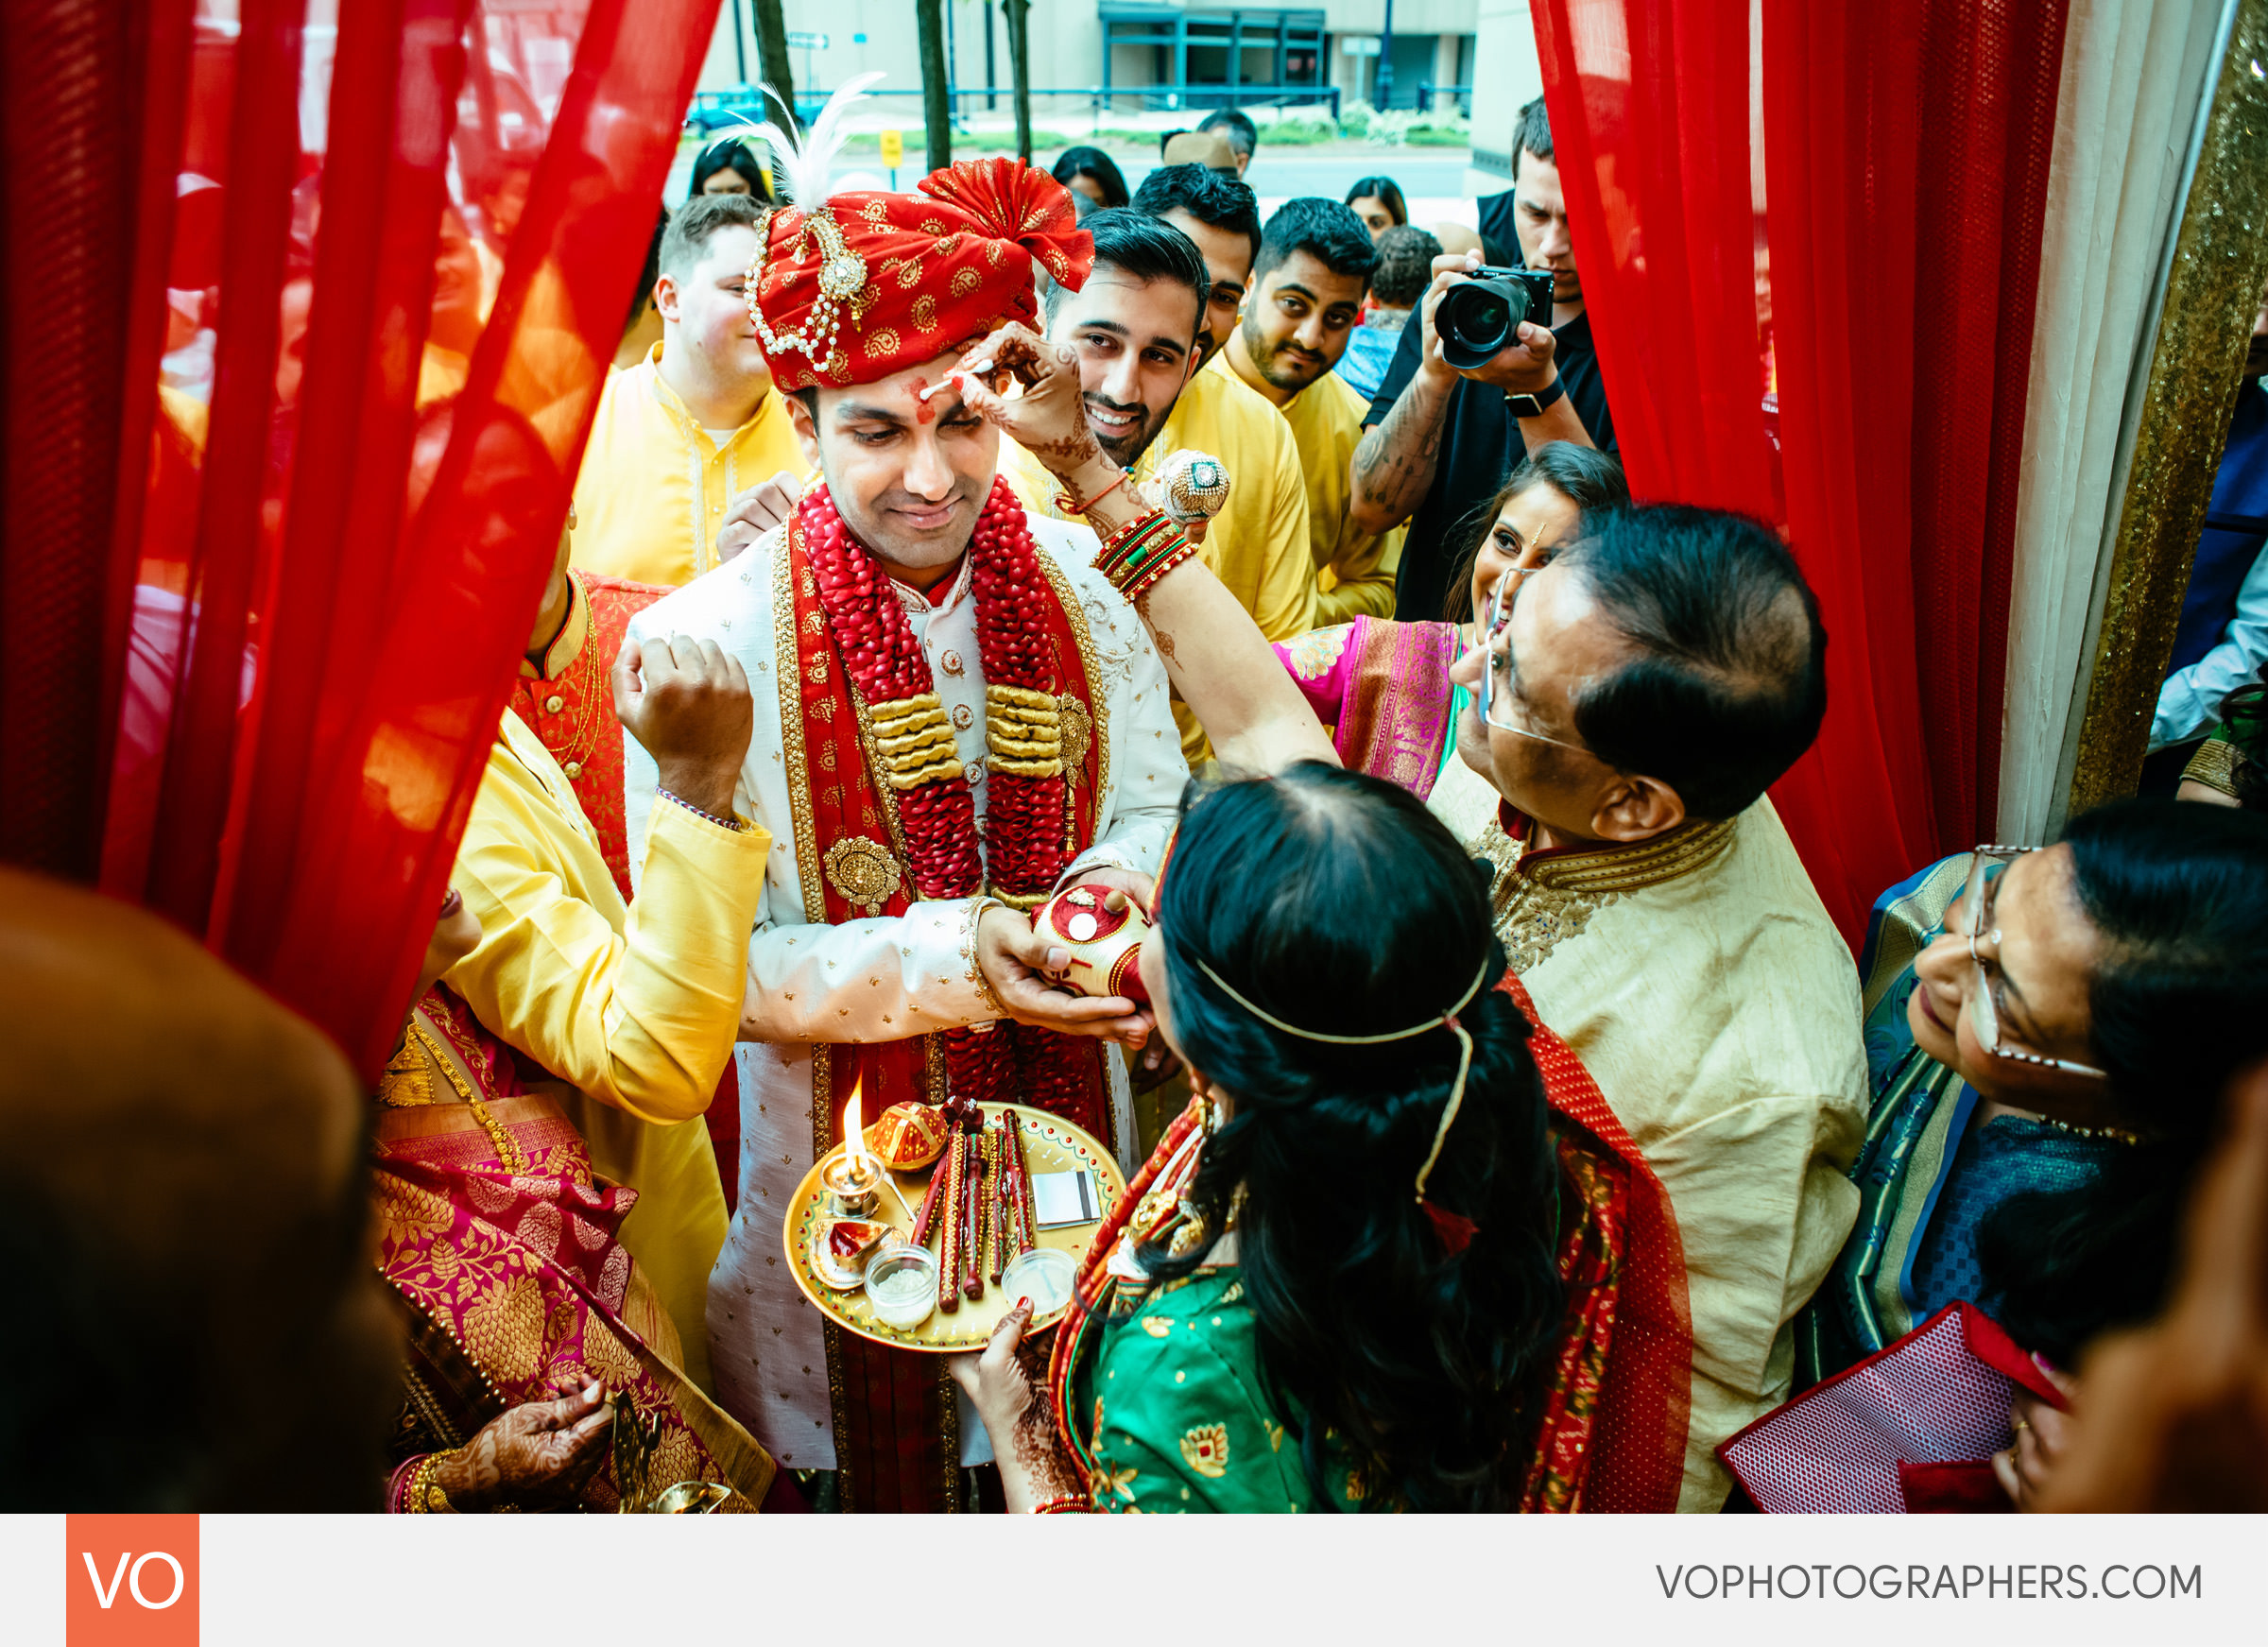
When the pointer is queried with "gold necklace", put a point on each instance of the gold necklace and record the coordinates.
(508, 1153)
(2094, 1134)
(575, 750)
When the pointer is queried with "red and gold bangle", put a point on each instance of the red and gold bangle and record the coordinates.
(1135, 539)
(1069, 1504)
(1140, 553)
(1138, 582)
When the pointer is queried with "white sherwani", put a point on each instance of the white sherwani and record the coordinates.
(873, 979)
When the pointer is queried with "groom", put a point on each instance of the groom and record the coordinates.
(956, 714)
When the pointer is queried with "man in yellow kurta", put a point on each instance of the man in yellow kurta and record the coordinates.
(1308, 282)
(1144, 404)
(633, 1008)
(1641, 693)
(693, 429)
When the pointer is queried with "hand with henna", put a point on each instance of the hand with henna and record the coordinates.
(540, 1455)
(1007, 1381)
(1049, 419)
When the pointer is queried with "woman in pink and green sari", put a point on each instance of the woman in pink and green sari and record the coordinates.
(542, 1372)
(1382, 687)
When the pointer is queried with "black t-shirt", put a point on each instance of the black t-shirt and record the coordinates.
(1479, 444)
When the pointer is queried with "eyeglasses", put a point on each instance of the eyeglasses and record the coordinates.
(1499, 622)
(1971, 918)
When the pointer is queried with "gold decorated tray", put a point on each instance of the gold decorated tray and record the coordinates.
(1050, 1146)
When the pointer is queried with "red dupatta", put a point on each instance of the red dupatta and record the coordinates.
(1611, 1426)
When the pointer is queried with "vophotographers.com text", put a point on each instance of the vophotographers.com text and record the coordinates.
(1888, 1581)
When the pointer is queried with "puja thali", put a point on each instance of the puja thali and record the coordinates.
(1050, 1146)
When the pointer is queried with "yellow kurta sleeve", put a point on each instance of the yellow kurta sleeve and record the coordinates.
(1258, 544)
(635, 1011)
(1359, 580)
(636, 1008)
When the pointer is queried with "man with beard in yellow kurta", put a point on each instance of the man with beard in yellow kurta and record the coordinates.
(1312, 273)
(1145, 400)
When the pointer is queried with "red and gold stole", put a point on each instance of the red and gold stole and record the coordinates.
(896, 1429)
(583, 734)
(857, 841)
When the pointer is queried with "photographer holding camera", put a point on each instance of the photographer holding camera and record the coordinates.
(1477, 384)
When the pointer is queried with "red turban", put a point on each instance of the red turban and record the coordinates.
(872, 283)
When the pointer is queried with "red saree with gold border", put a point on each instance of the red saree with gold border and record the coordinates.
(1613, 1406)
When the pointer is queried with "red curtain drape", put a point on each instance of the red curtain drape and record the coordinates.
(287, 473)
(1810, 240)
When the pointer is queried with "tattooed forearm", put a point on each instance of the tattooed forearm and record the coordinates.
(1393, 467)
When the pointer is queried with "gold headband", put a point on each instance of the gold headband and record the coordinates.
(1447, 1021)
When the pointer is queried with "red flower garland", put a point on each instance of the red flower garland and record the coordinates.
(1023, 833)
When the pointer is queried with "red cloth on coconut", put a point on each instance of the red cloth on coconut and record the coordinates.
(938, 269)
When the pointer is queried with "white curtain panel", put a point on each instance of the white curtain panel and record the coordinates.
(2135, 79)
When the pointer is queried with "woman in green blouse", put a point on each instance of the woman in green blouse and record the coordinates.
(1370, 1267)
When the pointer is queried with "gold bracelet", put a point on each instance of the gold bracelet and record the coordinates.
(1069, 1503)
(984, 985)
(2214, 764)
(425, 1495)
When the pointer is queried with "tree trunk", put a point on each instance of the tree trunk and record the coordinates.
(1020, 68)
(936, 117)
(771, 62)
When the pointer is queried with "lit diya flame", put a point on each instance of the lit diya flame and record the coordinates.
(860, 1163)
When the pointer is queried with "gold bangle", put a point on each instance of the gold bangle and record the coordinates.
(2213, 765)
(425, 1495)
(977, 973)
(1072, 1504)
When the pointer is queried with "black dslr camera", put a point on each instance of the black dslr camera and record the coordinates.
(1479, 318)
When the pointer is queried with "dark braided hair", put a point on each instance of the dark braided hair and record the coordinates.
(1335, 900)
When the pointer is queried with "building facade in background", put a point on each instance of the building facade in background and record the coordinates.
(1151, 54)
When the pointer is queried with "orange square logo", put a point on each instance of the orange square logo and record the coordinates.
(130, 1580)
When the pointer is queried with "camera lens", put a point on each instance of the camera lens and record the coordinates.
(1478, 319)
(1480, 322)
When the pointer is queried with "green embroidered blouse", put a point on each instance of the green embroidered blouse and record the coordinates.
(1168, 1409)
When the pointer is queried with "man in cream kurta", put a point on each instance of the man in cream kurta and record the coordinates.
(1700, 981)
(1643, 690)
(881, 979)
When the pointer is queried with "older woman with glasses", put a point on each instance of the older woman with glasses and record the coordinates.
(2048, 1035)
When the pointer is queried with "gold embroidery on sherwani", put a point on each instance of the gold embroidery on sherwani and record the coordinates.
(1205, 1450)
(1539, 903)
(791, 726)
